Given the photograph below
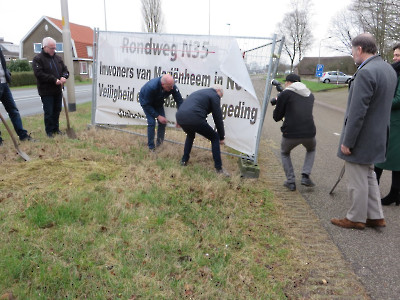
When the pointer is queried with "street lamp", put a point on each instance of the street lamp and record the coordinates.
(229, 28)
(319, 53)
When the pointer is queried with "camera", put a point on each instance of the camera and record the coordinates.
(278, 87)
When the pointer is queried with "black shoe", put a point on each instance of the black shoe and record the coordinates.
(59, 132)
(290, 185)
(50, 135)
(1, 142)
(305, 180)
(222, 171)
(392, 197)
(184, 163)
(27, 138)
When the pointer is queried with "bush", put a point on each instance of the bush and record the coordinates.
(23, 78)
(78, 78)
(19, 65)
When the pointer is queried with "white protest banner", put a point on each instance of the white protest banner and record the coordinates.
(126, 61)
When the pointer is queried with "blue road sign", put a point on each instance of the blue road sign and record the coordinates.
(319, 70)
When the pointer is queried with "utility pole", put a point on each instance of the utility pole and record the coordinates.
(67, 46)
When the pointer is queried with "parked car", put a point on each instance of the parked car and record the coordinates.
(335, 76)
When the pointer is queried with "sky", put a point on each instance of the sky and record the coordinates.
(252, 18)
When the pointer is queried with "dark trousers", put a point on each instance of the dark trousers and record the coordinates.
(7, 99)
(52, 108)
(395, 177)
(207, 131)
(151, 127)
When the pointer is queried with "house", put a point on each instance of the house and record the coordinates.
(307, 66)
(81, 40)
(10, 51)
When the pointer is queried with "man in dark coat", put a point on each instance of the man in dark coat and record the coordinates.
(295, 105)
(151, 98)
(192, 117)
(7, 99)
(51, 74)
(365, 133)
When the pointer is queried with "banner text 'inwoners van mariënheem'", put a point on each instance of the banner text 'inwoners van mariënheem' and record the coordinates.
(126, 61)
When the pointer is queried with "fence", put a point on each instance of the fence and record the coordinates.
(124, 62)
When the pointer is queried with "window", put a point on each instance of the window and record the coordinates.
(83, 67)
(59, 47)
(37, 47)
(89, 51)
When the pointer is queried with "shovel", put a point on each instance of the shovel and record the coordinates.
(21, 153)
(339, 178)
(70, 132)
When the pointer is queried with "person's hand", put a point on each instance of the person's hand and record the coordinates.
(345, 150)
(59, 82)
(63, 80)
(177, 125)
(162, 120)
(222, 142)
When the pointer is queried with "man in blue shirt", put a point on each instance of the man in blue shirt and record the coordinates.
(151, 98)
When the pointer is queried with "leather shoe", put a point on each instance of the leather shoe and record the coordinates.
(290, 185)
(346, 223)
(376, 223)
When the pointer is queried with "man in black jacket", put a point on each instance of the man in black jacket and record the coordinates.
(51, 74)
(295, 106)
(192, 117)
(9, 103)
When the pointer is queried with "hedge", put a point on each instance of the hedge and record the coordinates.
(23, 78)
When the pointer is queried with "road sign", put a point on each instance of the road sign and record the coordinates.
(319, 70)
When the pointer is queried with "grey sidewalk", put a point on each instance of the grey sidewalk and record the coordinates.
(323, 273)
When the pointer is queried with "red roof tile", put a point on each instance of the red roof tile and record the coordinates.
(82, 36)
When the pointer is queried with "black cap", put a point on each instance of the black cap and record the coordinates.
(293, 78)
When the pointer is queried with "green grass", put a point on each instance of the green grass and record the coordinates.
(101, 218)
(316, 86)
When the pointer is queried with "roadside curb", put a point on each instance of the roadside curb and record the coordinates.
(322, 271)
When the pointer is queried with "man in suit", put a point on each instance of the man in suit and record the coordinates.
(365, 133)
(7, 99)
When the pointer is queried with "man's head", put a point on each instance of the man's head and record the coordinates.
(49, 45)
(396, 52)
(363, 47)
(167, 82)
(219, 89)
(291, 78)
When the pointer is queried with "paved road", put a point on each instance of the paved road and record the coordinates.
(29, 103)
(373, 253)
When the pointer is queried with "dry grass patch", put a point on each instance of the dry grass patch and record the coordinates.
(101, 217)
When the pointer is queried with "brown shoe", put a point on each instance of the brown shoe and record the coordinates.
(345, 223)
(376, 223)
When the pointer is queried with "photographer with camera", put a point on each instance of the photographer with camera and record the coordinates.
(294, 105)
(51, 74)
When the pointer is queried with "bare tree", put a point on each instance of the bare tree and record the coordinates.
(152, 15)
(296, 28)
(344, 26)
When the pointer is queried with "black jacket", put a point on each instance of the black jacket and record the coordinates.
(295, 105)
(197, 106)
(48, 69)
(3, 64)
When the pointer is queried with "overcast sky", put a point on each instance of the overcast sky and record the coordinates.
(253, 18)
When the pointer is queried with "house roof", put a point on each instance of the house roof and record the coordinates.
(81, 35)
(343, 63)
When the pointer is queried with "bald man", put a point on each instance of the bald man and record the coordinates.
(151, 98)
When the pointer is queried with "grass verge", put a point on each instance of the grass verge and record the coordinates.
(101, 218)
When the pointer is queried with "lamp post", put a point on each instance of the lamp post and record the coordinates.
(229, 28)
(319, 53)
